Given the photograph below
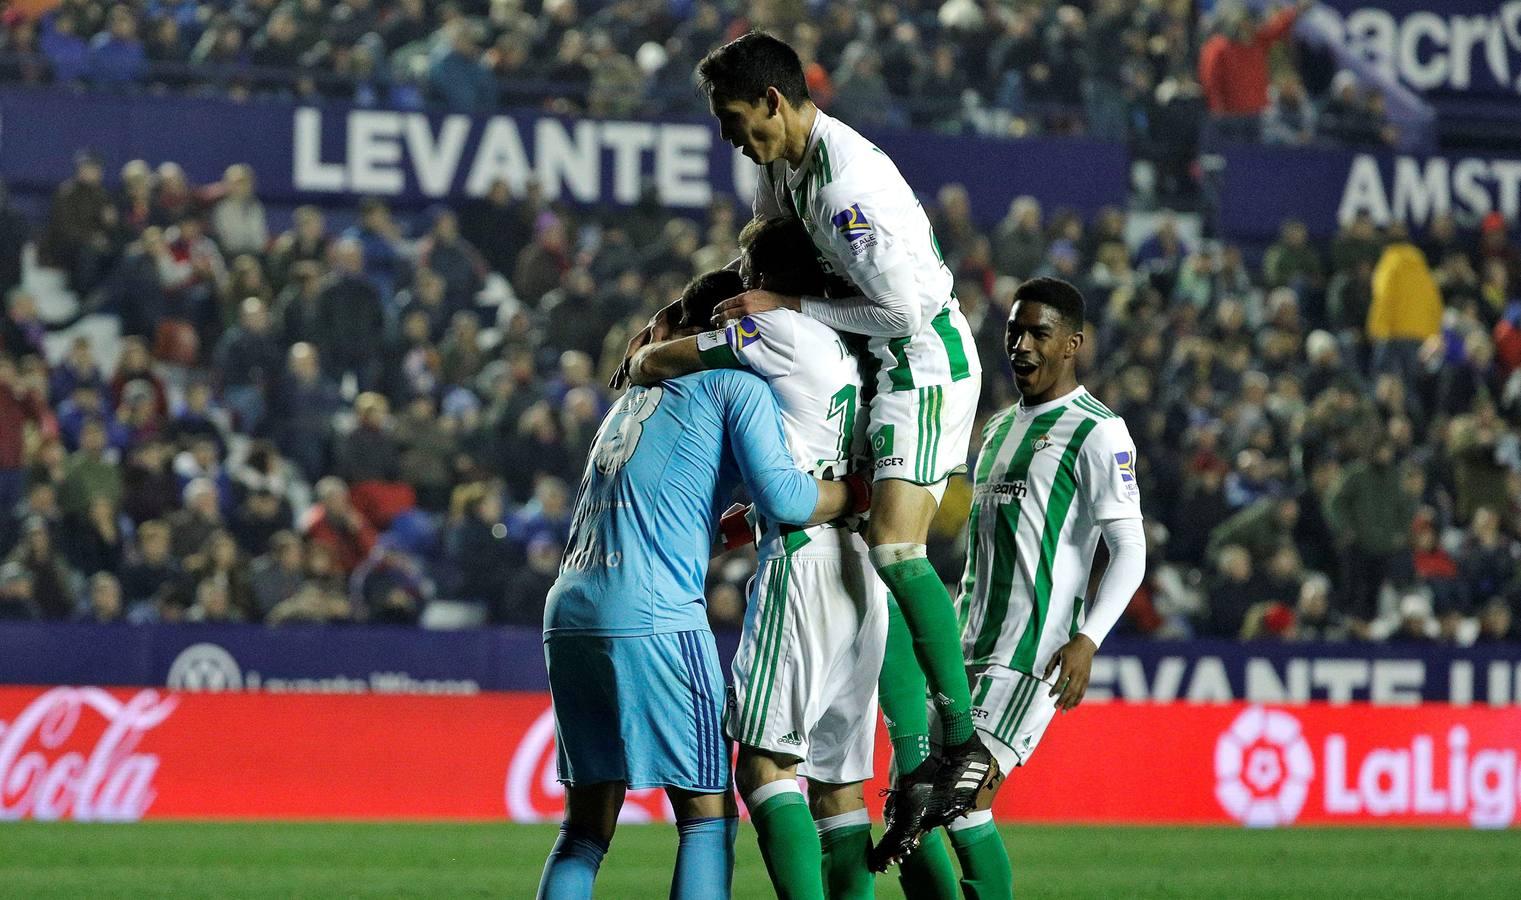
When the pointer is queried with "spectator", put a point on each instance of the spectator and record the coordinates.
(103, 602)
(153, 567)
(89, 474)
(1292, 262)
(1406, 310)
(238, 218)
(1290, 117)
(389, 587)
(454, 259)
(461, 83)
(213, 603)
(1371, 512)
(53, 584)
(1261, 529)
(541, 265)
(77, 223)
(116, 55)
(22, 402)
(306, 242)
(500, 227)
(350, 317)
(94, 541)
(66, 51)
(201, 515)
(522, 603)
(248, 358)
(370, 452)
(1315, 618)
(16, 601)
(277, 575)
(1497, 623)
(1234, 590)
(476, 548)
(1233, 66)
(335, 525)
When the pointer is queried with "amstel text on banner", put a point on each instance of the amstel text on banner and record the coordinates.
(88, 753)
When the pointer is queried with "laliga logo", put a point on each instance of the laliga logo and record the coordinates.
(205, 667)
(1263, 768)
(106, 782)
(534, 793)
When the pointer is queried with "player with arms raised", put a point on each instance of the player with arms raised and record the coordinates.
(1056, 473)
(892, 286)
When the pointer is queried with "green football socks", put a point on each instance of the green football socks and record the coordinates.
(931, 620)
(789, 842)
(985, 870)
(927, 873)
(845, 840)
(900, 691)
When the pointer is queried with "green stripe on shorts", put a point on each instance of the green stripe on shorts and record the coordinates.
(955, 351)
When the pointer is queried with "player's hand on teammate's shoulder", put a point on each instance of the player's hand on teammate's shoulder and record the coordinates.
(751, 302)
(1073, 664)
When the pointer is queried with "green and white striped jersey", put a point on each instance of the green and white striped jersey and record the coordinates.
(864, 220)
(1045, 479)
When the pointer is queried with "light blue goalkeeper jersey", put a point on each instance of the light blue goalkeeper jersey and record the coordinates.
(663, 466)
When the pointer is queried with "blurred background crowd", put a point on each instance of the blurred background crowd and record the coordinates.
(1157, 74)
(356, 421)
(360, 414)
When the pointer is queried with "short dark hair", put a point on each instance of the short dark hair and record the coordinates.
(705, 292)
(782, 257)
(743, 68)
(1057, 294)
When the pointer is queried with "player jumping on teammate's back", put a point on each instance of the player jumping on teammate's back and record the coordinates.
(815, 627)
(626, 636)
(891, 286)
(1056, 473)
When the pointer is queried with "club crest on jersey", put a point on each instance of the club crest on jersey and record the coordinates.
(1041, 443)
(744, 333)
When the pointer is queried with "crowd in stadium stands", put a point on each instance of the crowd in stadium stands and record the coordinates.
(349, 423)
(1149, 73)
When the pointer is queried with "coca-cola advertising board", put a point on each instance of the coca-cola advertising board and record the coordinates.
(115, 754)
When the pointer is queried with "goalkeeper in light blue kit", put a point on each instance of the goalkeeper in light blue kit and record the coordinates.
(633, 672)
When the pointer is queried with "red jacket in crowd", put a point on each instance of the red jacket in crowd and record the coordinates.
(1234, 74)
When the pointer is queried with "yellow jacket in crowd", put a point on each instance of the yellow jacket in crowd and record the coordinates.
(1406, 302)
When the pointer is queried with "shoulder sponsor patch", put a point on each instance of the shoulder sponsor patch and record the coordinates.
(853, 224)
(744, 333)
(1125, 460)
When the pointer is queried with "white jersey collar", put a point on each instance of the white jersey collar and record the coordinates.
(815, 134)
(1026, 412)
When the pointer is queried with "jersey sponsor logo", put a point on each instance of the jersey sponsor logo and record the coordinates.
(1125, 460)
(744, 333)
(1000, 491)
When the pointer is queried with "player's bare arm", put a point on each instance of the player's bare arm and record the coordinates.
(654, 363)
(751, 302)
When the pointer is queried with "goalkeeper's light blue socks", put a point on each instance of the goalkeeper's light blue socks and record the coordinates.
(572, 866)
(704, 858)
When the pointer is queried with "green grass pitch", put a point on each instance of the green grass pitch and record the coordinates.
(39, 860)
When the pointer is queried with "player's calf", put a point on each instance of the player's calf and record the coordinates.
(784, 828)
